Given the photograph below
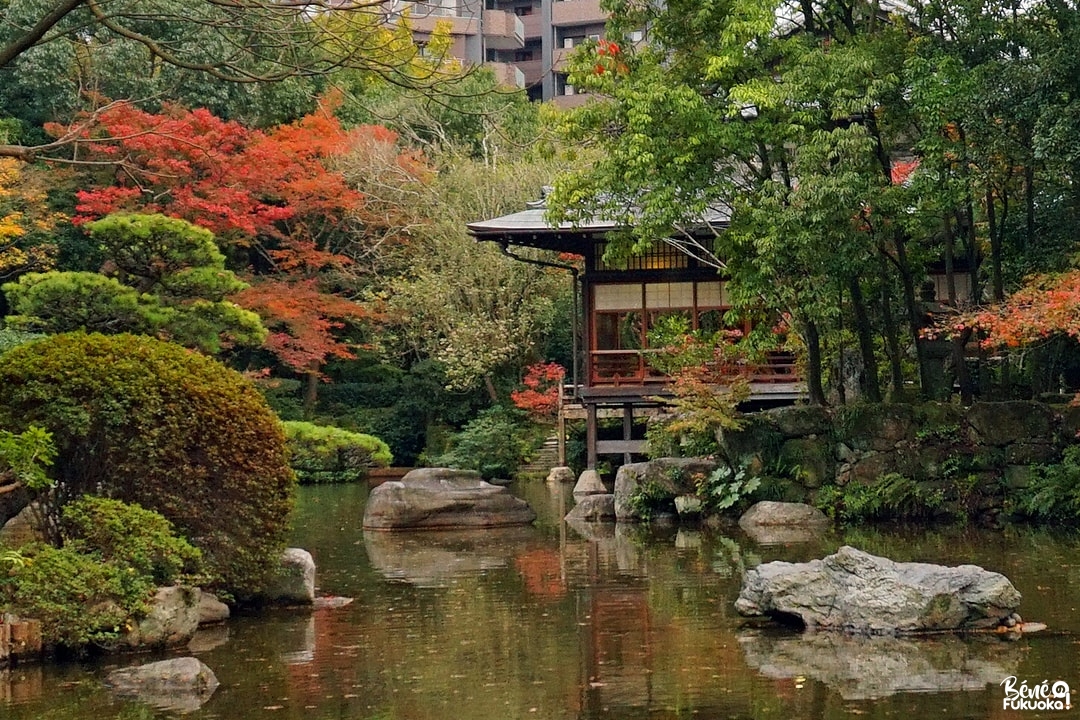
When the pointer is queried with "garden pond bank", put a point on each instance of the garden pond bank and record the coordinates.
(595, 621)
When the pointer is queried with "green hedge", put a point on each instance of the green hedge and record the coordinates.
(324, 454)
(148, 422)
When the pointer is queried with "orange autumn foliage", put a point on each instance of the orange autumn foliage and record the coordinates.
(1047, 305)
(280, 193)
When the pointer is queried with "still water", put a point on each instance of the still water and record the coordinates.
(566, 623)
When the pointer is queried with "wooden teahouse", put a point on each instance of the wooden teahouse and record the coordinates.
(621, 303)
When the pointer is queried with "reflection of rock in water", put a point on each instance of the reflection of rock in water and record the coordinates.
(305, 639)
(432, 559)
(865, 668)
(208, 638)
(783, 534)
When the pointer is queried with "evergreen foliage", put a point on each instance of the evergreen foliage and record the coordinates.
(148, 422)
(323, 454)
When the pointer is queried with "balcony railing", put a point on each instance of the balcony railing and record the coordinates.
(631, 367)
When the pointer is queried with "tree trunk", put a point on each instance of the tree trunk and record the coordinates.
(915, 319)
(490, 386)
(998, 287)
(863, 329)
(950, 270)
(892, 334)
(311, 389)
(813, 370)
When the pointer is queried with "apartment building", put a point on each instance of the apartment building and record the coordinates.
(526, 42)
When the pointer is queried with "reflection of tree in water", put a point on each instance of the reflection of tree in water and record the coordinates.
(730, 560)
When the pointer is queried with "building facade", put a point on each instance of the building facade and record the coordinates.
(526, 42)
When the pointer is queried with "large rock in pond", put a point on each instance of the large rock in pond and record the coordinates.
(775, 523)
(178, 685)
(857, 592)
(669, 477)
(172, 620)
(294, 581)
(594, 508)
(440, 498)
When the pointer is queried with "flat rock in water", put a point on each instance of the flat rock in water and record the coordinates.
(178, 685)
(594, 508)
(782, 523)
(769, 513)
(857, 592)
(331, 602)
(430, 498)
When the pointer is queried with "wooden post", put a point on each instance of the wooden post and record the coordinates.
(560, 425)
(627, 429)
(590, 435)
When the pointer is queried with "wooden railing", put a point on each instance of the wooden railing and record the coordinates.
(630, 367)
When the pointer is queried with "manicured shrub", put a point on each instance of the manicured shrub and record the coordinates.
(324, 454)
(113, 558)
(495, 444)
(131, 536)
(79, 598)
(147, 422)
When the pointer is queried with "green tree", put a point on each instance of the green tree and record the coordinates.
(467, 305)
(162, 276)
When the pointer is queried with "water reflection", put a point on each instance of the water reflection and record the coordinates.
(867, 668)
(434, 558)
(585, 622)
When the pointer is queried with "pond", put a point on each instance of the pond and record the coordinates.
(558, 622)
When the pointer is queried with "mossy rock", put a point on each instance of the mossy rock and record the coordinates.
(801, 420)
(875, 427)
(1002, 423)
(1032, 453)
(813, 459)
(756, 445)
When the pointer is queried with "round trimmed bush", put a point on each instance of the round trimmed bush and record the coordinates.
(144, 421)
(325, 454)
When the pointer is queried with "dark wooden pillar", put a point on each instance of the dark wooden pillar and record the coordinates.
(590, 435)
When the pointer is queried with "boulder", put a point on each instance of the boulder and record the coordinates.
(294, 583)
(672, 476)
(858, 592)
(802, 420)
(211, 610)
(589, 484)
(560, 474)
(22, 528)
(1001, 423)
(689, 506)
(813, 457)
(780, 523)
(172, 620)
(440, 498)
(769, 513)
(594, 508)
(177, 685)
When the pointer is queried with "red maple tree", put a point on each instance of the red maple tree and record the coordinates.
(279, 193)
(540, 396)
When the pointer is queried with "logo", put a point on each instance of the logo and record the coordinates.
(1043, 696)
